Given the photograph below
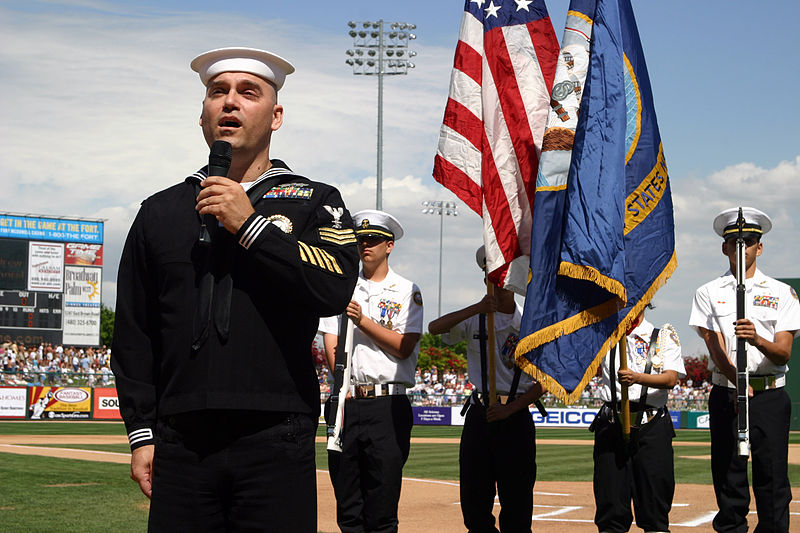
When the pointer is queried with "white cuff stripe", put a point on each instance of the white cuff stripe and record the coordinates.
(252, 233)
(139, 435)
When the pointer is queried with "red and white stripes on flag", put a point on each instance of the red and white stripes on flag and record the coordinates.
(495, 118)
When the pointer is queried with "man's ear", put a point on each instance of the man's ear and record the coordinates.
(277, 117)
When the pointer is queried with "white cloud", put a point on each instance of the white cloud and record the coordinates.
(416, 255)
(697, 201)
(105, 111)
(101, 111)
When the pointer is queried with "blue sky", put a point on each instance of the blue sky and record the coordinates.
(101, 109)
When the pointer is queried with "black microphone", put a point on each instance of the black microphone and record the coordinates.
(219, 162)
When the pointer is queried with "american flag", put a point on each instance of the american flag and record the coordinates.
(491, 137)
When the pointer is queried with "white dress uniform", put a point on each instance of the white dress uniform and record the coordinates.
(367, 473)
(643, 472)
(772, 307)
(666, 357)
(395, 303)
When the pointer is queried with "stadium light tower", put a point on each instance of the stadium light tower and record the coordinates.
(438, 207)
(378, 51)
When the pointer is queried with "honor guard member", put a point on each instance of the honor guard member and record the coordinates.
(498, 443)
(386, 311)
(643, 468)
(771, 324)
(219, 274)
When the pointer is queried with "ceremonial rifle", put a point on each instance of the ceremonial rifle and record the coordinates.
(341, 383)
(742, 375)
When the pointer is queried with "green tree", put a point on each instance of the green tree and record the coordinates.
(429, 340)
(106, 325)
(434, 352)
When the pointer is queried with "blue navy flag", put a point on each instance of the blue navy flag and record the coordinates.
(603, 234)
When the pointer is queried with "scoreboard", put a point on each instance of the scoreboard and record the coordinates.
(50, 280)
(27, 309)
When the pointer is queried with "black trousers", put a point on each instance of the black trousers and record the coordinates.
(770, 414)
(232, 471)
(497, 456)
(645, 475)
(367, 474)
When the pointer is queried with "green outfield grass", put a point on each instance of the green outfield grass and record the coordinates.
(42, 493)
(49, 494)
(48, 427)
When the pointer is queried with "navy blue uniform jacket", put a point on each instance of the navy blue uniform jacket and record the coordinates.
(292, 261)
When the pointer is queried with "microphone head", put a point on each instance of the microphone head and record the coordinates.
(219, 160)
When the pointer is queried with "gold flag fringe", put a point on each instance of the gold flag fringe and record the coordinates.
(592, 274)
(553, 332)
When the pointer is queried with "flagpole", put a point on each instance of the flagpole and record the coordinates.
(626, 405)
(490, 342)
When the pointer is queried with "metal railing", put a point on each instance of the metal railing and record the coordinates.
(48, 378)
(421, 399)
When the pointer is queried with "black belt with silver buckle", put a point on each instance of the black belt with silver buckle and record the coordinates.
(378, 390)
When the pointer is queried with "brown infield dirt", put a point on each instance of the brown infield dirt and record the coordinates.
(432, 506)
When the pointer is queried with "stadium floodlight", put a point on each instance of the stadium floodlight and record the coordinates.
(374, 39)
(441, 208)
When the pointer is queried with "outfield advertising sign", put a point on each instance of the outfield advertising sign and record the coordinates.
(52, 403)
(106, 404)
(456, 418)
(697, 420)
(434, 416)
(556, 417)
(13, 402)
(564, 418)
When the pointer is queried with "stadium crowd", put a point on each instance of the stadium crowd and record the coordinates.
(449, 388)
(50, 365)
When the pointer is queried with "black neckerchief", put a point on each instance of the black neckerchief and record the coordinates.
(217, 261)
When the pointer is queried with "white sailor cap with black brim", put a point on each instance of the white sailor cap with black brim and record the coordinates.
(371, 222)
(756, 223)
(263, 64)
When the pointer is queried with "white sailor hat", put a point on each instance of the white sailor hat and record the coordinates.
(480, 257)
(755, 222)
(374, 222)
(267, 65)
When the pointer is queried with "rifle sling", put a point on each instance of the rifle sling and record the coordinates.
(647, 368)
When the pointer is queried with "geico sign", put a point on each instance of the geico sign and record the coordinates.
(109, 402)
(565, 417)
